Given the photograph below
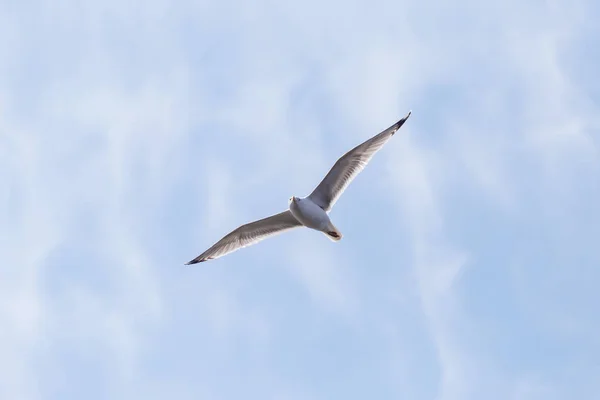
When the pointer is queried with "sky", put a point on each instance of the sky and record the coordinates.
(133, 135)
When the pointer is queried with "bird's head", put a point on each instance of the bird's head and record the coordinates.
(292, 199)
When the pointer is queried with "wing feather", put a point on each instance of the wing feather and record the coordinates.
(349, 166)
(249, 234)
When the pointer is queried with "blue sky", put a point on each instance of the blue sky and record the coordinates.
(135, 134)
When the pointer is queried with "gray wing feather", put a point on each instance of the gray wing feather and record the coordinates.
(349, 166)
(249, 234)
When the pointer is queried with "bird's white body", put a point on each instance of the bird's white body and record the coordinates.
(312, 216)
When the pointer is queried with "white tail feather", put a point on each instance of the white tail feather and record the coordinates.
(333, 233)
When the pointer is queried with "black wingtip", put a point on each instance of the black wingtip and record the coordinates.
(398, 124)
(403, 120)
(198, 260)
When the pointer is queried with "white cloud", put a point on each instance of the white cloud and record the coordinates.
(328, 278)
(132, 105)
(70, 190)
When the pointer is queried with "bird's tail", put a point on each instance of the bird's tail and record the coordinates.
(333, 233)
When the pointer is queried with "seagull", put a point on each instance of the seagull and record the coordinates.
(310, 211)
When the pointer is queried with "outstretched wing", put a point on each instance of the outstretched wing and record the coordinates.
(249, 234)
(349, 166)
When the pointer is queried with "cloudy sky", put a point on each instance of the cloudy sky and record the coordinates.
(135, 134)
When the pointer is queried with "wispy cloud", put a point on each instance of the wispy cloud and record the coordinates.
(133, 135)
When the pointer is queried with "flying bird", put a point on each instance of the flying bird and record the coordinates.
(310, 211)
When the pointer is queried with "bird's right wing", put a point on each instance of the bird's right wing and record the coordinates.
(249, 234)
(349, 166)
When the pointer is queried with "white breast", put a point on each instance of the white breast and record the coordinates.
(309, 214)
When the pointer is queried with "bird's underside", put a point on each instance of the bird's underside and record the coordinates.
(324, 196)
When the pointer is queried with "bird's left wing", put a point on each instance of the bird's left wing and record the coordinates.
(349, 166)
(249, 234)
